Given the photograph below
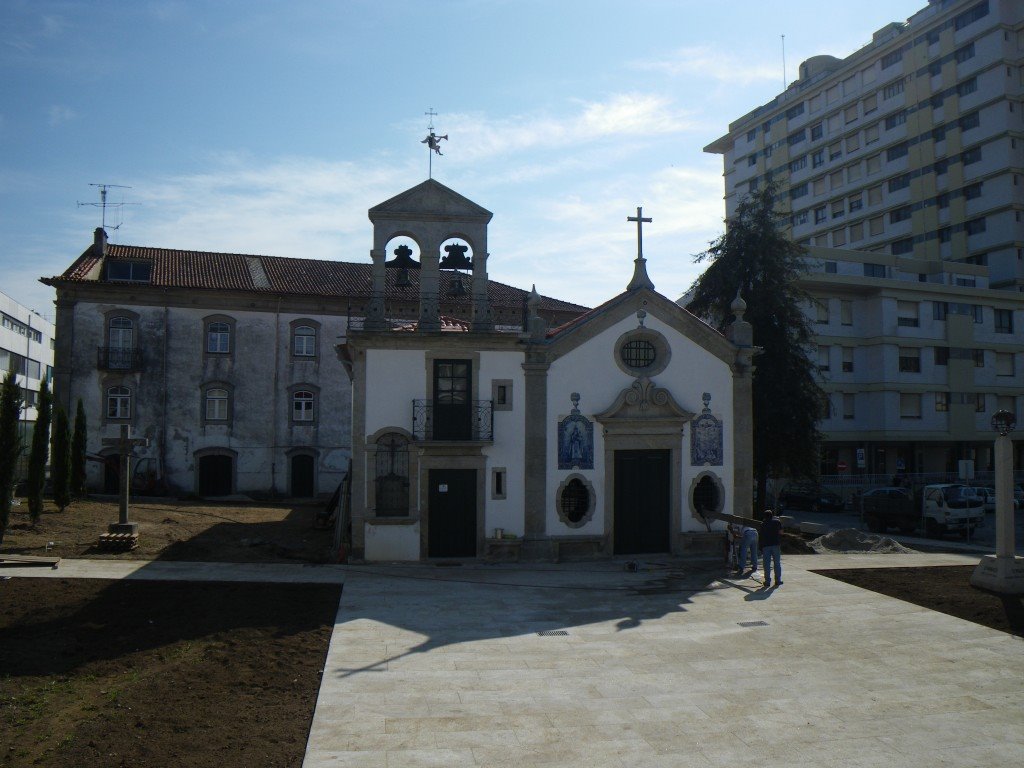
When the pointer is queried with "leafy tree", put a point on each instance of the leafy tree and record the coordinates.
(38, 453)
(10, 445)
(755, 259)
(60, 461)
(78, 445)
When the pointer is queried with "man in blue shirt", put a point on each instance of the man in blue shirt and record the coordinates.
(771, 547)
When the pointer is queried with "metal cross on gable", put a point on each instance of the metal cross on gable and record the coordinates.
(640, 219)
(125, 444)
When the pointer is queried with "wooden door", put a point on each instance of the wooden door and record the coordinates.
(642, 500)
(451, 521)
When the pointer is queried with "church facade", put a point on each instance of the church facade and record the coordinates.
(609, 434)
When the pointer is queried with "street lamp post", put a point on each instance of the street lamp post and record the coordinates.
(1002, 572)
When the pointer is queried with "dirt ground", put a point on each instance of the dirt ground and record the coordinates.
(177, 530)
(149, 673)
(946, 589)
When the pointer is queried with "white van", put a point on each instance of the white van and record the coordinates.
(950, 507)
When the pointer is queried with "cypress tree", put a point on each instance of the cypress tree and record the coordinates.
(60, 461)
(10, 445)
(78, 445)
(38, 454)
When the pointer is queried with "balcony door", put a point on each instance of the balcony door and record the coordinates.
(452, 399)
(121, 342)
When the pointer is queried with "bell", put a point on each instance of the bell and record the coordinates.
(403, 260)
(456, 258)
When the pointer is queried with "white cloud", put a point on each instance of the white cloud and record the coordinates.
(712, 63)
(58, 114)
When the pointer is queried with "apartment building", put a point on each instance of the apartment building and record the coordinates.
(912, 146)
(26, 349)
(914, 368)
(901, 168)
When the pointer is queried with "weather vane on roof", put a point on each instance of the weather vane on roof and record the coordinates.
(433, 142)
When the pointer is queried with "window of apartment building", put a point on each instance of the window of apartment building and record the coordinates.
(817, 101)
(850, 85)
(821, 312)
(875, 195)
(896, 152)
(972, 191)
(818, 158)
(967, 86)
(853, 172)
(1004, 364)
(216, 404)
(975, 226)
(945, 234)
(850, 114)
(874, 270)
(847, 359)
(965, 53)
(797, 137)
(817, 131)
(838, 237)
(972, 155)
(752, 159)
(910, 405)
(119, 402)
(903, 213)
(835, 151)
(871, 134)
(752, 185)
(1006, 403)
(910, 360)
(854, 202)
(939, 134)
(935, 68)
(849, 400)
(907, 314)
(832, 94)
(838, 209)
(892, 89)
(795, 111)
(846, 312)
(941, 355)
(899, 182)
(821, 240)
(824, 352)
(942, 401)
(973, 120)
(941, 166)
(876, 226)
(856, 232)
(798, 191)
(895, 119)
(892, 58)
(874, 164)
(800, 217)
(971, 15)
(869, 74)
(798, 165)
(303, 340)
(751, 135)
(835, 179)
(820, 214)
(302, 406)
(1004, 320)
(852, 143)
(819, 185)
(130, 271)
(978, 357)
(831, 268)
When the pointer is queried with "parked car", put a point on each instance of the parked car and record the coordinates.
(809, 497)
(987, 496)
(885, 508)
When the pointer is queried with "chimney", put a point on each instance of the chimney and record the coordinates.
(99, 241)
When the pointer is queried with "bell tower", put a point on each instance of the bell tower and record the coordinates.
(430, 214)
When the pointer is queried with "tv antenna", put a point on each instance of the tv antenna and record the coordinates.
(103, 204)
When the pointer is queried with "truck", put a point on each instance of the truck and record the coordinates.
(940, 509)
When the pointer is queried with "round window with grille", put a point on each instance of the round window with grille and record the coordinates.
(639, 353)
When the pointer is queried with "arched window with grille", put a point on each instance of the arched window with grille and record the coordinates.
(391, 475)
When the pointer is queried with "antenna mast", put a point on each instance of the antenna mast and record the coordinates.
(783, 63)
(103, 204)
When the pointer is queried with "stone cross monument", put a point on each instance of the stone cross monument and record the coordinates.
(125, 444)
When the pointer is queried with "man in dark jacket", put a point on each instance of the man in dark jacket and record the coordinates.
(771, 547)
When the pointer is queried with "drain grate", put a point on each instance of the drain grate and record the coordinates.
(753, 623)
(552, 632)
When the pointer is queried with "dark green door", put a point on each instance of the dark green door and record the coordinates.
(452, 399)
(641, 502)
(215, 476)
(303, 476)
(451, 524)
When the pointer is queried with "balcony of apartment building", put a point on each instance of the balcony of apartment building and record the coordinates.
(453, 420)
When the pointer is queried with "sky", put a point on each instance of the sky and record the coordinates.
(258, 127)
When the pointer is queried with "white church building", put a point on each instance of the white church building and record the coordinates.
(606, 435)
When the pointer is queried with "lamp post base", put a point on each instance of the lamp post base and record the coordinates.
(1000, 574)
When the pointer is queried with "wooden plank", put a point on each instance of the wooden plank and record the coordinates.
(18, 560)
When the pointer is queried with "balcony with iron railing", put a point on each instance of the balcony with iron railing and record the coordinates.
(119, 358)
(471, 422)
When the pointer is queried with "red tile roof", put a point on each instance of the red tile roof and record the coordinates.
(201, 270)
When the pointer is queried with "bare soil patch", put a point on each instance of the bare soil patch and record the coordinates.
(177, 530)
(152, 673)
(946, 589)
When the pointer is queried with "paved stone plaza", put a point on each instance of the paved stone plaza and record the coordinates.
(588, 665)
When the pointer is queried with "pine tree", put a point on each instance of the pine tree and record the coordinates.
(38, 454)
(10, 445)
(78, 447)
(755, 259)
(60, 461)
